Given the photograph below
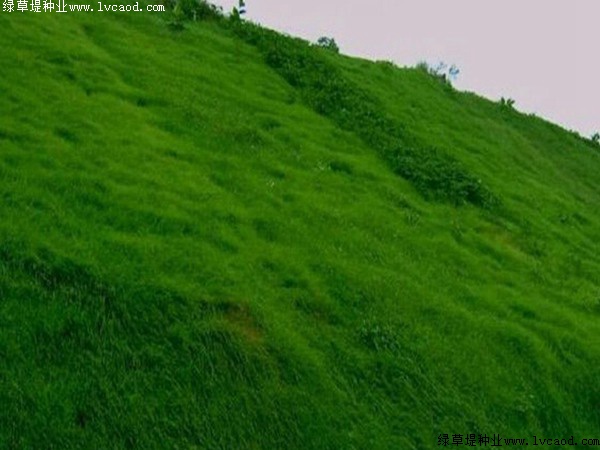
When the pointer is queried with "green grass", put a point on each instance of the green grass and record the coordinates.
(194, 255)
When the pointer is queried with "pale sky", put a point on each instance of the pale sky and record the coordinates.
(545, 54)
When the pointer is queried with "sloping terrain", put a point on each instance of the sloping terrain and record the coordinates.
(205, 242)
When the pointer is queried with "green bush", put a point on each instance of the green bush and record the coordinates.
(441, 72)
(507, 103)
(439, 176)
(328, 43)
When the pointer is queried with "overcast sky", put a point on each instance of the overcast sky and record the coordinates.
(545, 54)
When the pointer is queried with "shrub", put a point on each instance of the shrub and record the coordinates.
(387, 64)
(437, 175)
(435, 72)
(422, 66)
(596, 138)
(328, 43)
(441, 72)
(507, 102)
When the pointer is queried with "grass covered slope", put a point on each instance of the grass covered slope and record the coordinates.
(198, 250)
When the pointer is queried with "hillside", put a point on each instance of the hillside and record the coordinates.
(213, 236)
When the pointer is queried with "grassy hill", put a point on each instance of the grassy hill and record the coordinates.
(219, 237)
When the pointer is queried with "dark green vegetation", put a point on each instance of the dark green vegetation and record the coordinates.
(329, 92)
(212, 236)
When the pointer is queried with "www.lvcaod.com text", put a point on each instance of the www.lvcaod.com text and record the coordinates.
(497, 440)
(61, 6)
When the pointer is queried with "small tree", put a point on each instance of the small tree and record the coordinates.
(238, 12)
(441, 71)
(328, 43)
(453, 72)
(507, 102)
(422, 66)
(596, 138)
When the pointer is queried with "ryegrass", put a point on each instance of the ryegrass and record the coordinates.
(192, 257)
